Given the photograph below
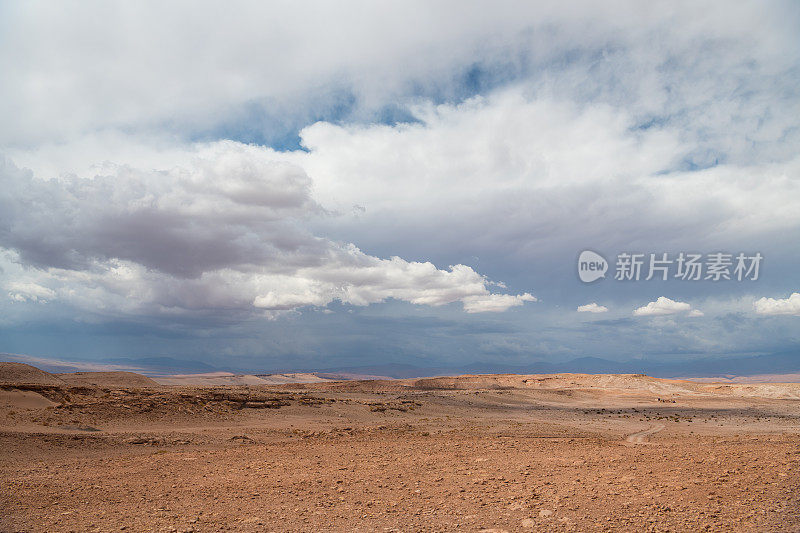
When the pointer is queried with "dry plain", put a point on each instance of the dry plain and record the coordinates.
(567, 452)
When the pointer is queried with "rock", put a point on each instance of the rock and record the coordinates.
(141, 440)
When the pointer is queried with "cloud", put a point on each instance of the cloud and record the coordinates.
(773, 306)
(599, 115)
(567, 183)
(592, 308)
(428, 135)
(304, 58)
(665, 306)
(695, 313)
(495, 302)
(645, 58)
(251, 219)
(28, 292)
(230, 207)
(226, 232)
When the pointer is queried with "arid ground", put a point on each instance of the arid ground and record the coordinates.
(569, 452)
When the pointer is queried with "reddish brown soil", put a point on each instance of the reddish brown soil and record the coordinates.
(586, 453)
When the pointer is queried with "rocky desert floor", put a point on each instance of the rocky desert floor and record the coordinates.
(569, 452)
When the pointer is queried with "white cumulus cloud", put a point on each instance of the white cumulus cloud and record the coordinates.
(779, 306)
(665, 306)
(226, 232)
(592, 308)
(482, 303)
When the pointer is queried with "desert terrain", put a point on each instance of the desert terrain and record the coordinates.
(116, 451)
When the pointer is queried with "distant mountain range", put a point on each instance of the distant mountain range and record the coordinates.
(776, 363)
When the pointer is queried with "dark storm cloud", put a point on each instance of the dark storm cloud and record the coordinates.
(182, 225)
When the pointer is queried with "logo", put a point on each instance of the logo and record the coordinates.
(591, 266)
(684, 266)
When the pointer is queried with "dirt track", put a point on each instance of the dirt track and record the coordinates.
(384, 456)
(641, 436)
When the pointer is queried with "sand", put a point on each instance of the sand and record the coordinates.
(568, 452)
(227, 378)
(22, 374)
(106, 379)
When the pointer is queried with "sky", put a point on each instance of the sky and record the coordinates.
(307, 185)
